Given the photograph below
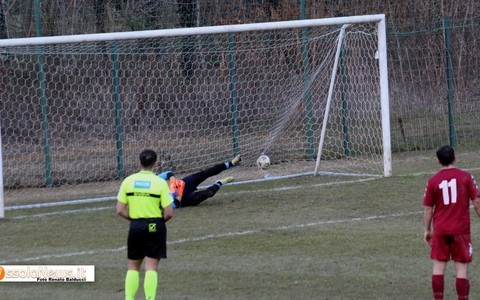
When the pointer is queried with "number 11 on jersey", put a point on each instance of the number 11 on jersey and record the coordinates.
(449, 188)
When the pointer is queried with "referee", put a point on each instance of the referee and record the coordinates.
(144, 199)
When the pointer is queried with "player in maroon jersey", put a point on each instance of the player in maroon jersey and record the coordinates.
(446, 221)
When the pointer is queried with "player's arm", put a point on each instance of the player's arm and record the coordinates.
(168, 212)
(176, 190)
(179, 187)
(474, 195)
(476, 205)
(122, 210)
(428, 204)
(427, 223)
(166, 203)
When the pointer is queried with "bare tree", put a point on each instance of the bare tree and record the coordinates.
(100, 16)
(27, 17)
(187, 18)
(3, 24)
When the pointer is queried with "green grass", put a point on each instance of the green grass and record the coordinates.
(292, 239)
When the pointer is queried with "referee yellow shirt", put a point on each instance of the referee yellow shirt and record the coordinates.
(145, 194)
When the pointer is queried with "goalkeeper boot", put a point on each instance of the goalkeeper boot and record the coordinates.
(236, 160)
(225, 180)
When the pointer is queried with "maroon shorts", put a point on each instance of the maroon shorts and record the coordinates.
(455, 247)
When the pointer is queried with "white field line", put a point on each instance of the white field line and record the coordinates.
(210, 236)
(59, 203)
(64, 212)
(111, 198)
(193, 239)
(102, 199)
(213, 236)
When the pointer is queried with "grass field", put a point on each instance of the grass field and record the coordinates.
(303, 238)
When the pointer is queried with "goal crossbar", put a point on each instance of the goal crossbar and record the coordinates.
(102, 37)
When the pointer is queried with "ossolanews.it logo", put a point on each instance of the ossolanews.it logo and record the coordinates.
(2, 273)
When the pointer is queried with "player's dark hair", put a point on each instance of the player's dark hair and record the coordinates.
(446, 155)
(148, 157)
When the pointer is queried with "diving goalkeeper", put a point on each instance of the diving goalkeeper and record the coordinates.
(185, 191)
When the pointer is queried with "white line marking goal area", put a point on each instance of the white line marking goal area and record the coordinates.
(214, 236)
(110, 198)
(285, 227)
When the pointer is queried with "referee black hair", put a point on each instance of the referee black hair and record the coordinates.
(148, 157)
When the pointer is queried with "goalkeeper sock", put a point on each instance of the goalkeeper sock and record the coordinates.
(131, 284)
(235, 161)
(150, 284)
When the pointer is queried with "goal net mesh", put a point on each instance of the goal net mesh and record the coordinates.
(80, 113)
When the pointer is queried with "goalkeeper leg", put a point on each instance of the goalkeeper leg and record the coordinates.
(194, 180)
(198, 197)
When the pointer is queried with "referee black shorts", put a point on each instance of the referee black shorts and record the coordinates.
(147, 237)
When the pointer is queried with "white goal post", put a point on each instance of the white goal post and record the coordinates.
(76, 110)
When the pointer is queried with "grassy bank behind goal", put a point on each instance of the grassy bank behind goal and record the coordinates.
(302, 238)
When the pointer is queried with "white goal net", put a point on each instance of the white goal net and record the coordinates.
(76, 111)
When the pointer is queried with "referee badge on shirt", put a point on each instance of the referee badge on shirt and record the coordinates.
(142, 184)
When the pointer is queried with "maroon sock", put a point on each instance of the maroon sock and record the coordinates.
(463, 288)
(437, 286)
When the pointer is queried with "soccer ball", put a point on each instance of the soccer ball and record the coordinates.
(263, 161)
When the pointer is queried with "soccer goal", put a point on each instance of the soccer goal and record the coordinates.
(310, 94)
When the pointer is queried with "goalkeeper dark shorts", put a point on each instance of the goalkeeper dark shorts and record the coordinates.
(147, 237)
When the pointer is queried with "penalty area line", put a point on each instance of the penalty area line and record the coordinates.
(214, 236)
(63, 212)
(81, 210)
(103, 199)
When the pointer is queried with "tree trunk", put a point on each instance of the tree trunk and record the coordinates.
(3, 23)
(187, 15)
(100, 16)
